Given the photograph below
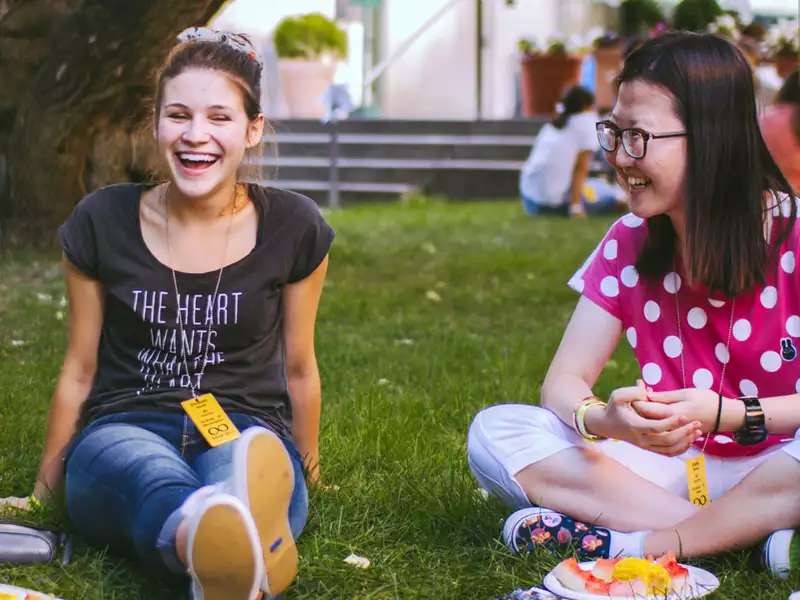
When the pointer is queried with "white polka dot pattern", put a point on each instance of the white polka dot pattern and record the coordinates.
(697, 318)
(609, 286)
(748, 388)
(631, 220)
(630, 333)
(770, 361)
(797, 386)
(652, 311)
(793, 326)
(610, 250)
(742, 330)
(629, 276)
(672, 346)
(672, 282)
(769, 297)
(788, 262)
(716, 303)
(722, 354)
(703, 379)
(722, 439)
(651, 373)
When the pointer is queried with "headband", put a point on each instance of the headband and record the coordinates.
(237, 41)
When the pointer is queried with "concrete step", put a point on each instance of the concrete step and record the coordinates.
(422, 146)
(349, 192)
(402, 126)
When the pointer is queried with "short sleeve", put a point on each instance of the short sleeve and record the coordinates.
(587, 135)
(314, 241)
(78, 240)
(601, 278)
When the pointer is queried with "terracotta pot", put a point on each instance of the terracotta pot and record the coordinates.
(303, 83)
(608, 65)
(785, 64)
(544, 79)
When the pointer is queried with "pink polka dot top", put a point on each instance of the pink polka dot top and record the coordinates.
(762, 359)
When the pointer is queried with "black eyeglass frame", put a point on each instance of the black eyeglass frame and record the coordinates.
(646, 136)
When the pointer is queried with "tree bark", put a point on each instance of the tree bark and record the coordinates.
(79, 75)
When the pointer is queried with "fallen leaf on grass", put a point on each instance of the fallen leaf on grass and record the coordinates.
(359, 562)
(433, 296)
(383, 381)
(18, 343)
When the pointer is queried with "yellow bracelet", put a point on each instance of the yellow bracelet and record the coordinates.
(579, 416)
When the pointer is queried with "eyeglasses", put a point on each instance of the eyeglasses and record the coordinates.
(634, 140)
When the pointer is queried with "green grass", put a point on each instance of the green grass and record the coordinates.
(403, 374)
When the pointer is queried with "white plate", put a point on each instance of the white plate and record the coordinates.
(703, 583)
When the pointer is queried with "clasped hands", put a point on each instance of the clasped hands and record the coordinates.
(663, 422)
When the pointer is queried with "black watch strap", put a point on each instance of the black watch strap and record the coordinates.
(754, 429)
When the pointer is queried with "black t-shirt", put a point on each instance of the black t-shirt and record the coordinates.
(238, 335)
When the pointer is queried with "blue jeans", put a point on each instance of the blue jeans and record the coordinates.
(127, 474)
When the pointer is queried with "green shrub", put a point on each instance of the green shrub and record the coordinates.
(695, 15)
(636, 16)
(309, 37)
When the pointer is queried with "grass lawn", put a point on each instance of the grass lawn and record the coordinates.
(431, 311)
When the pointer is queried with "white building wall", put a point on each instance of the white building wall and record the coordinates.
(504, 26)
(436, 77)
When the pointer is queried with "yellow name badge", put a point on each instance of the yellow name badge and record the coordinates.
(697, 481)
(211, 421)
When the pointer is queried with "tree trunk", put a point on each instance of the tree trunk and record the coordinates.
(76, 77)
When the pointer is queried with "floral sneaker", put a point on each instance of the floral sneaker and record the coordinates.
(531, 527)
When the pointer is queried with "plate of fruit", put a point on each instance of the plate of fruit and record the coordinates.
(630, 579)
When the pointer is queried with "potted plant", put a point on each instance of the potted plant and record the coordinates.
(308, 47)
(783, 46)
(695, 15)
(637, 17)
(545, 75)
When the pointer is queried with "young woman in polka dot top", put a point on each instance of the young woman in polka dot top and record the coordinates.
(700, 279)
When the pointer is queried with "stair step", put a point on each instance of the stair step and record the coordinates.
(365, 187)
(398, 139)
(395, 163)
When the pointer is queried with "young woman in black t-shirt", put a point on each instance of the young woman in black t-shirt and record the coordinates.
(200, 285)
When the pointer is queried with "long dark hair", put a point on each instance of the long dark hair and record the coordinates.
(575, 100)
(728, 166)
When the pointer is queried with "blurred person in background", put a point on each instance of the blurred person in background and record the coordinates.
(555, 178)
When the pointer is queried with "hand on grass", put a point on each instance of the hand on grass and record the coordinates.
(632, 417)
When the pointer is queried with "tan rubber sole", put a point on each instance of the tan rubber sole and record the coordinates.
(270, 477)
(222, 555)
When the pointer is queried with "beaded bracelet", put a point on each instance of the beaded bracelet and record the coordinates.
(579, 415)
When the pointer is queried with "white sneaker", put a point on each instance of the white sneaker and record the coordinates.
(263, 479)
(223, 555)
(775, 553)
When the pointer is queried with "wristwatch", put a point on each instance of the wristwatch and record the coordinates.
(754, 430)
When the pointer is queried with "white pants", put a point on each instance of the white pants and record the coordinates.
(506, 438)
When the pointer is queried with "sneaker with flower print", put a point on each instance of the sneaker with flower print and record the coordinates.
(531, 527)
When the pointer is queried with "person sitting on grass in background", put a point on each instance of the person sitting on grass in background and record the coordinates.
(780, 126)
(700, 278)
(202, 285)
(555, 178)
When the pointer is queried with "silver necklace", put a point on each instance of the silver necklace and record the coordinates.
(680, 339)
(209, 317)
